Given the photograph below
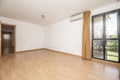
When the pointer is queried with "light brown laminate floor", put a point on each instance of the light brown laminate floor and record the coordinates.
(50, 65)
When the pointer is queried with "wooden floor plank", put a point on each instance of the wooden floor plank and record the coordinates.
(50, 65)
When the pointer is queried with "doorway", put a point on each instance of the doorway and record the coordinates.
(7, 39)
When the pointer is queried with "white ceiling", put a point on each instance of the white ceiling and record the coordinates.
(54, 10)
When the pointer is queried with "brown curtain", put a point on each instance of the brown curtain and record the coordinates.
(86, 50)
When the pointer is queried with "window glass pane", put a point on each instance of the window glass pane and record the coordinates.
(98, 54)
(112, 58)
(97, 44)
(112, 50)
(98, 27)
(98, 49)
(6, 36)
(111, 25)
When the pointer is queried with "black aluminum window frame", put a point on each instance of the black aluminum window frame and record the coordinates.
(104, 34)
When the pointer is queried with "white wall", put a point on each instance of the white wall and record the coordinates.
(106, 8)
(28, 36)
(66, 36)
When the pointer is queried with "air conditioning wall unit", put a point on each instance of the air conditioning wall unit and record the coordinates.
(76, 17)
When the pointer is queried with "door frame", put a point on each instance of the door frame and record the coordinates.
(14, 26)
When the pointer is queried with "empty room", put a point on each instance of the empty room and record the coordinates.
(59, 39)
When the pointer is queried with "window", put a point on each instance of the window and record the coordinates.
(6, 36)
(106, 36)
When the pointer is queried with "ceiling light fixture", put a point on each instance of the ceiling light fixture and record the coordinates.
(42, 16)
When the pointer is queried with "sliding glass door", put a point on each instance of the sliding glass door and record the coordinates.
(106, 36)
